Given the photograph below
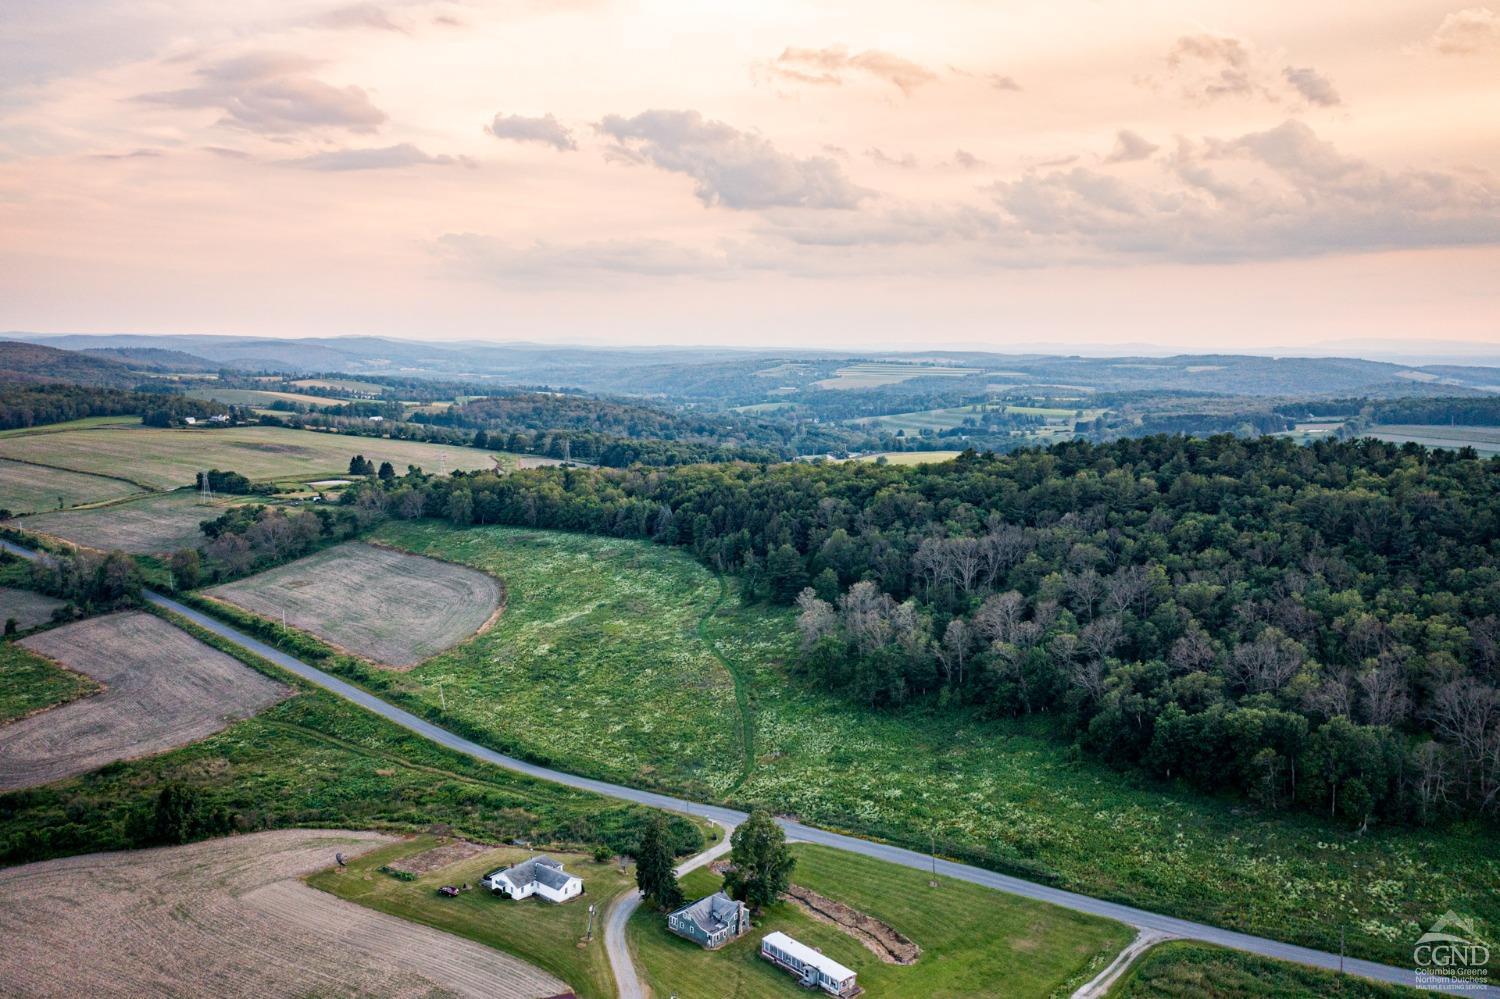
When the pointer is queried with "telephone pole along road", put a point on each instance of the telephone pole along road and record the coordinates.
(1138, 918)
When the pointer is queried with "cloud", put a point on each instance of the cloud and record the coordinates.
(519, 128)
(377, 158)
(134, 154)
(834, 65)
(1314, 87)
(1002, 82)
(965, 160)
(906, 161)
(1280, 193)
(1467, 32)
(1212, 66)
(485, 258)
(732, 168)
(360, 15)
(273, 94)
(1130, 147)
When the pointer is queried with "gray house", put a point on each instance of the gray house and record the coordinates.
(710, 922)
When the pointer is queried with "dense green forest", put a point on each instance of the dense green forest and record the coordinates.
(1312, 627)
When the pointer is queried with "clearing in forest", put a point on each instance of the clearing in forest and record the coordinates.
(152, 525)
(162, 688)
(26, 488)
(230, 917)
(162, 459)
(387, 606)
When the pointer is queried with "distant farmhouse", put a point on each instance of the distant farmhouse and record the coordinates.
(711, 922)
(540, 876)
(812, 968)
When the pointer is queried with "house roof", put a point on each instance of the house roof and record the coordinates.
(712, 913)
(543, 870)
(802, 952)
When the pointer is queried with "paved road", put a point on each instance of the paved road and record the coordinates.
(1139, 918)
(626, 979)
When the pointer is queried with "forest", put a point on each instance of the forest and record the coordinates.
(1312, 627)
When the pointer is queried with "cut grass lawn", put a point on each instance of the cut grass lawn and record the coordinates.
(151, 525)
(27, 488)
(1187, 970)
(29, 683)
(387, 606)
(538, 932)
(164, 459)
(26, 607)
(972, 939)
(599, 667)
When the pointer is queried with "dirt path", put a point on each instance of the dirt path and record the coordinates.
(741, 686)
(1098, 987)
(162, 689)
(230, 917)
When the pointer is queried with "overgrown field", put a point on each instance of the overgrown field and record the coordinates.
(972, 939)
(157, 458)
(28, 488)
(162, 689)
(541, 933)
(151, 525)
(600, 665)
(30, 683)
(1185, 970)
(388, 606)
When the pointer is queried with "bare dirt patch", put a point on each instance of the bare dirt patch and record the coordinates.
(162, 689)
(439, 857)
(29, 609)
(880, 938)
(230, 917)
(390, 607)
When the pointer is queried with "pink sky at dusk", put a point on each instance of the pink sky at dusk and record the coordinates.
(951, 173)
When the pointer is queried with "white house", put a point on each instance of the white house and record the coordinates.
(541, 876)
(812, 967)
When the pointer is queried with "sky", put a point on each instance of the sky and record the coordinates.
(1206, 176)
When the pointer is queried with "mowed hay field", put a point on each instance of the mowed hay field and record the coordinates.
(230, 917)
(975, 942)
(28, 488)
(162, 688)
(541, 933)
(152, 525)
(27, 608)
(162, 459)
(386, 606)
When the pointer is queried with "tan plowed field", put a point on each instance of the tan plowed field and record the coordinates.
(162, 688)
(384, 605)
(229, 917)
(29, 609)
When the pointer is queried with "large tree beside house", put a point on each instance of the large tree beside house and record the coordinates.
(762, 864)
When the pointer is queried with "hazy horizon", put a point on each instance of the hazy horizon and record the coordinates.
(1206, 177)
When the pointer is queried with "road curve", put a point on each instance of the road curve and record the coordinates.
(615, 945)
(1141, 919)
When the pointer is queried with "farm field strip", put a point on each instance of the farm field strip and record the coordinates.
(162, 688)
(27, 607)
(26, 487)
(1485, 440)
(151, 525)
(261, 397)
(388, 606)
(875, 374)
(166, 459)
(226, 917)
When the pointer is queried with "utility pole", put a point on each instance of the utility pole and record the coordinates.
(444, 698)
(1341, 950)
(590, 936)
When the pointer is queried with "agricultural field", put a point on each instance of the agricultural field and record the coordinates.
(1485, 440)
(162, 688)
(340, 385)
(163, 459)
(26, 607)
(26, 488)
(261, 397)
(877, 373)
(29, 683)
(230, 917)
(1059, 418)
(152, 525)
(387, 606)
(610, 634)
(910, 457)
(971, 938)
(1187, 970)
(86, 423)
(546, 936)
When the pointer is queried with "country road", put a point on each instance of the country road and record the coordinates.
(1141, 919)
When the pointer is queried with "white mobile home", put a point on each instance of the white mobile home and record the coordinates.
(541, 876)
(812, 968)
